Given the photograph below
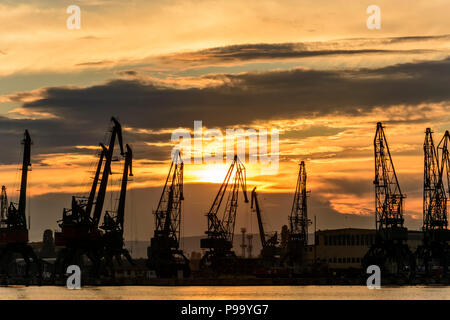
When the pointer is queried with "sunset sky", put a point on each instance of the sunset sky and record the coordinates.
(310, 69)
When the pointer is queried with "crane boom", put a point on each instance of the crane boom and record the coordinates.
(262, 234)
(224, 228)
(127, 171)
(91, 198)
(116, 131)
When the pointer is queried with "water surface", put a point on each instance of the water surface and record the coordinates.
(226, 292)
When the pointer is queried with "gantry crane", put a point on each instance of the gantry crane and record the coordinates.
(80, 234)
(390, 251)
(13, 229)
(164, 254)
(113, 225)
(219, 242)
(269, 242)
(298, 221)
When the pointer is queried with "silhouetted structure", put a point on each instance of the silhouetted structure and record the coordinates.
(113, 225)
(270, 248)
(48, 245)
(13, 230)
(298, 222)
(219, 242)
(435, 250)
(80, 235)
(164, 254)
(390, 251)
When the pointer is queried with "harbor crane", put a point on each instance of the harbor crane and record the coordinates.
(80, 235)
(298, 221)
(435, 249)
(13, 228)
(269, 242)
(219, 242)
(113, 225)
(164, 254)
(390, 250)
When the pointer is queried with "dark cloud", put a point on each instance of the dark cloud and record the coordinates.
(82, 113)
(93, 63)
(244, 98)
(270, 51)
(354, 46)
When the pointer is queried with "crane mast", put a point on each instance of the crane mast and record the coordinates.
(269, 243)
(113, 226)
(127, 172)
(220, 233)
(222, 230)
(164, 255)
(16, 217)
(168, 212)
(13, 230)
(434, 197)
(444, 166)
(390, 250)
(298, 218)
(255, 204)
(116, 131)
(389, 200)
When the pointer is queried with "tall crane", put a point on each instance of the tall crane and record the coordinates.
(435, 224)
(299, 213)
(164, 254)
(270, 244)
(80, 235)
(298, 221)
(14, 231)
(434, 197)
(220, 233)
(113, 225)
(389, 200)
(390, 247)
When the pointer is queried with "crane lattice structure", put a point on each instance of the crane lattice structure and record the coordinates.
(164, 254)
(113, 224)
(298, 220)
(220, 233)
(434, 197)
(390, 250)
(269, 242)
(14, 230)
(435, 249)
(389, 200)
(80, 233)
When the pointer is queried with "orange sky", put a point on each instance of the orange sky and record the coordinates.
(311, 70)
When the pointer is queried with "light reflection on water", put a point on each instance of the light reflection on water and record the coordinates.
(226, 292)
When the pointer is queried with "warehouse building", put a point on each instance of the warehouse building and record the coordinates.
(345, 248)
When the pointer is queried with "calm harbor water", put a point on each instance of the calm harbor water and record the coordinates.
(225, 292)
